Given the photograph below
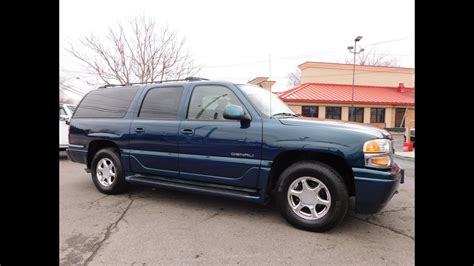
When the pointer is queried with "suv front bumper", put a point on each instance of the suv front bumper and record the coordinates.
(375, 188)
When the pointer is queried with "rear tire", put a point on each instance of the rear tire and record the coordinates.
(107, 172)
(312, 196)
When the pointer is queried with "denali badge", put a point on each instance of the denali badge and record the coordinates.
(238, 154)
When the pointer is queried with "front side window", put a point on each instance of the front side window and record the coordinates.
(161, 103)
(310, 111)
(356, 114)
(61, 111)
(333, 112)
(208, 102)
(377, 115)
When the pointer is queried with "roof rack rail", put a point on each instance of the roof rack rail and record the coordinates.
(153, 82)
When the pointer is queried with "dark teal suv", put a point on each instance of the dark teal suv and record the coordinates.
(232, 140)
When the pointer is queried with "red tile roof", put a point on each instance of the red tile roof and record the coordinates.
(342, 93)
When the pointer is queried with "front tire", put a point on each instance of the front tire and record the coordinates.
(107, 172)
(312, 196)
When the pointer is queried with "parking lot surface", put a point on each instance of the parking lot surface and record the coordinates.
(158, 226)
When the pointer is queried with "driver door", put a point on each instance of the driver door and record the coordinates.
(217, 150)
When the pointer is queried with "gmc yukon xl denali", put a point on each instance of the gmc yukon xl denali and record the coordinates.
(232, 140)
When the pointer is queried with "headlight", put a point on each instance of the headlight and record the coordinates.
(377, 153)
(377, 146)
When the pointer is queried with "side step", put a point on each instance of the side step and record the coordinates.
(197, 187)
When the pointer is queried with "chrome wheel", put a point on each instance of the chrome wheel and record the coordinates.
(309, 198)
(106, 172)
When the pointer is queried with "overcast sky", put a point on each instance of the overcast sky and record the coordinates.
(232, 40)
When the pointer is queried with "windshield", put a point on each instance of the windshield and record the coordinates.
(260, 98)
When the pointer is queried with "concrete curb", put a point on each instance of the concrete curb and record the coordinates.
(404, 157)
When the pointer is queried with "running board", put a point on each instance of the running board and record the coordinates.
(197, 187)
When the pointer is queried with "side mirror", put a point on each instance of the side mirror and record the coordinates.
(235, 112)
(68, 120)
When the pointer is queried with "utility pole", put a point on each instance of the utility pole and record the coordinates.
(357, 39)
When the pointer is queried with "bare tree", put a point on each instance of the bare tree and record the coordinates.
(139, 51)
(294, 78)
(373, 58)
(64, 98)
(66, 89)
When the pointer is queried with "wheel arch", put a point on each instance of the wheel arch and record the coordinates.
(287, 158)
(97, 145)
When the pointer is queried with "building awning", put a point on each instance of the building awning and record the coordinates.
(342, 93)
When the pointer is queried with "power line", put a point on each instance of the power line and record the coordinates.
(69, 90)
(389, 41)
(307, 55)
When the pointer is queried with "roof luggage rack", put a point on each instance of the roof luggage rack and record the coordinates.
(153, 82)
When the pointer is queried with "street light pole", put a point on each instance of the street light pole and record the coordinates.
(353, 67)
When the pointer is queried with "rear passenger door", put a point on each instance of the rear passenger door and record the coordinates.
(154, 132)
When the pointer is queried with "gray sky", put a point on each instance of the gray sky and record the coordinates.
(233, 39)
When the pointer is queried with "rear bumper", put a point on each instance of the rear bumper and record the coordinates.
(375, 188)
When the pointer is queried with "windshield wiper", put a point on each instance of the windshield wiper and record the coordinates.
(283, 114)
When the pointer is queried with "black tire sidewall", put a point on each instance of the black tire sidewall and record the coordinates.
(119, 183)
(335, 185)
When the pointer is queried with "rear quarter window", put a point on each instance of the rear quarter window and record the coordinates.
(107, 102)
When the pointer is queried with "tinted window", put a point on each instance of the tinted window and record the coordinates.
(333, 112)
(209, 102)
(377, 115)
(161, 103)
(356, 114)
(310, 111)
(108, 102)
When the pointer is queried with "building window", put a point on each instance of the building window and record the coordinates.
(377, 115)
(356, 114)
(333, 112)
(310, 111)
(400, 117)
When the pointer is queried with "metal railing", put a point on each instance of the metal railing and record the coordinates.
(154, 82)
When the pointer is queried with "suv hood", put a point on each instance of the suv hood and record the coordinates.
(337, 124)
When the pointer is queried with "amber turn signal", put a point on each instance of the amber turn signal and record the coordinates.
(377, 146)
(371, 146)
(381, 161)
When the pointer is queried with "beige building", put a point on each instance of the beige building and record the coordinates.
(364, 75)
(382, 96)
(262, 82)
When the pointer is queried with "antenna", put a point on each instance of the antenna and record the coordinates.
(270, 78)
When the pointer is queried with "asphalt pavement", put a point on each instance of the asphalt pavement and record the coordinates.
(158, 226)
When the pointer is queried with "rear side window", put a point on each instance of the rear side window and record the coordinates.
(109, 102)
(161, 103)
